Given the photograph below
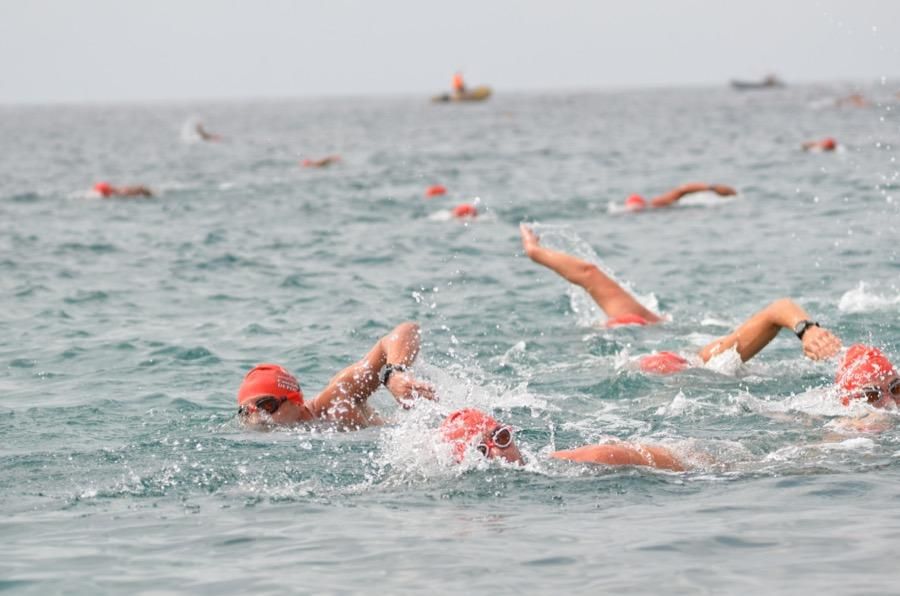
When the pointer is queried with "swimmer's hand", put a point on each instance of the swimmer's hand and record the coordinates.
(405, 389)
(722, 190)
(530, 240)
(819, 343)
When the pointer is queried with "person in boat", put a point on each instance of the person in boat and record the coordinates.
(636, 202)
(271, 396)
(458, 85)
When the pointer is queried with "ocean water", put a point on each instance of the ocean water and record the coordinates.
(127, 325)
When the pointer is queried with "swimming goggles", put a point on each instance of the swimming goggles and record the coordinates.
(874, 394)
(501, 437)
(267, 403)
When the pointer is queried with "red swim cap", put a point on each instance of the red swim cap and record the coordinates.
(862, 366)
(828, 144)
(626, 319)
(435, 191)
(663, 363)
(104, 188)
(465, 210)
(635, 202)
(462, 426)
(306, 163)
(270, 379)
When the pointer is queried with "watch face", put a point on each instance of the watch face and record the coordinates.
(802, 326)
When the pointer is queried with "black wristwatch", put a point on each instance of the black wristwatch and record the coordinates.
(385, 373)
(801, 327)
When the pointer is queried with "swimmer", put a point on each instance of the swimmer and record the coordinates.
(458, 85)
(210, 137)
(435, 191)
(106, 190)
(623, 309)
(826, 144)
(473, 428)
(639, 203)
(320, 163)
(854, 100)
(465, 210)
(270, 395)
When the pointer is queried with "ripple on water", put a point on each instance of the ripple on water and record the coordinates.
(93, 248)
(84, 296)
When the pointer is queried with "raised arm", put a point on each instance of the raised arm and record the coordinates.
(676, 193)
(761, 328)
(608, 294)
(350, 388)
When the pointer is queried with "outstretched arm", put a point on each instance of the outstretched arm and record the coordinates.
(608, 295)
(353, 385)
(761, 328)
(622, 454)
(673, 195)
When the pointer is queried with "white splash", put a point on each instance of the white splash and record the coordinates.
(859, 299)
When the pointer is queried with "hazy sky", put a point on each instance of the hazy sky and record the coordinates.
(75, 50)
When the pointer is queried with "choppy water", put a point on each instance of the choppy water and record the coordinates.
(127, 326)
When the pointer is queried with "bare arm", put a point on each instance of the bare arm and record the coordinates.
(622, 455)
(673, 195)
(353, 385)
(608, 295)
(761, 328)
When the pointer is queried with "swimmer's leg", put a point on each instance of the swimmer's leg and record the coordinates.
(608, 294)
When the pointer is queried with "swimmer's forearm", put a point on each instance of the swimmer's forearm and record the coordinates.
(401, 346)
(678, 192)
(758, 330)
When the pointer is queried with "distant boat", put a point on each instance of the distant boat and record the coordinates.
(770, 82)
(475, 94)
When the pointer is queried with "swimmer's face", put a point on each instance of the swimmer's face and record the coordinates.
(498, 443)
(883, 392)
(286, 413)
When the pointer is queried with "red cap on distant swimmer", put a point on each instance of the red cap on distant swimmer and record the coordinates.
(663, 363)
(828, 144)
(626, 319)
(435, 191)
(862, 366)
(465, 210)
(104, 188)
(635, 202)
(462, 426)
(270, 379)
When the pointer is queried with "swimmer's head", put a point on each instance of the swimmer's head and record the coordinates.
(435, 191)
(662, 363)
(103, 188)
(269, 393)
(626, 319)
(828, 144)
(635, 203)
(465, 210)
(469, 426)
(866, 373)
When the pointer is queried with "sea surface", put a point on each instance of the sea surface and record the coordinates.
(126, 326)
